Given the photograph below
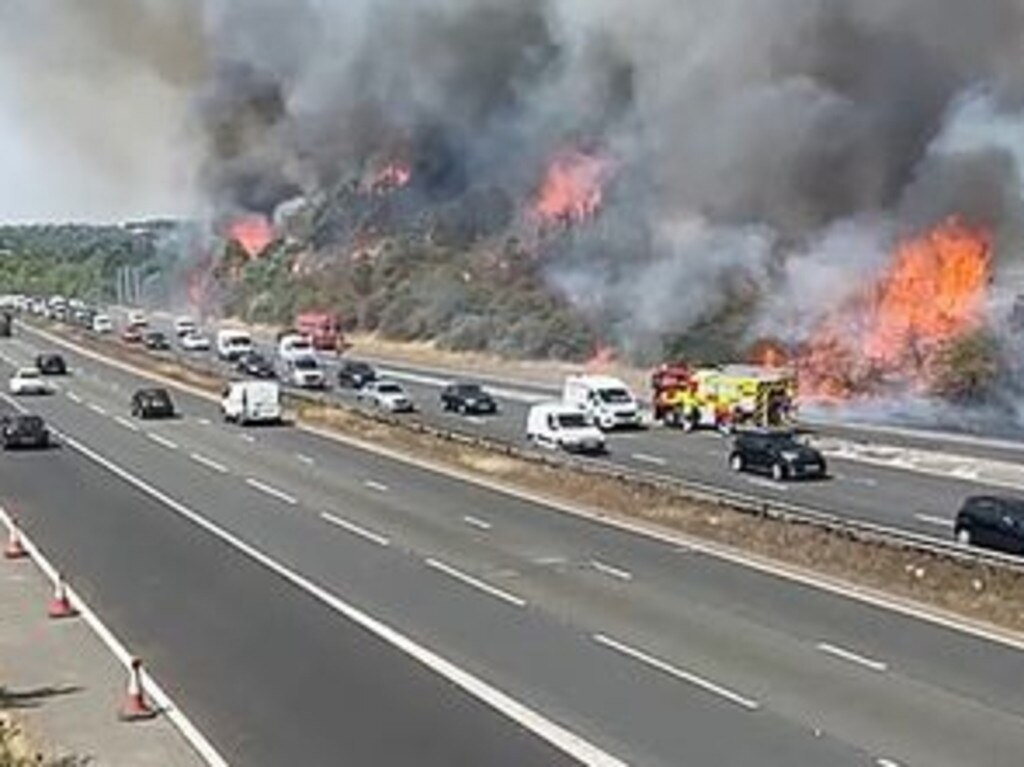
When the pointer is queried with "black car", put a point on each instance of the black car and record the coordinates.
(353, 374)
(467, 398)
(256, 365)
(23, 431)
(992, 521)
(152, 403)
(779, 454)
(51, 365)
(154, 340)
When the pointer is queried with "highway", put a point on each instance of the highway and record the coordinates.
(257, 570)
(880, 492)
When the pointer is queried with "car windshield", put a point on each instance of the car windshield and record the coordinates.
(573, 420)
(298, 344)
(359, 368)
(28, 373)
(306, 363)
(28, 423)
(389, 388)
(156, 397)
(615, 396)
(469, 390)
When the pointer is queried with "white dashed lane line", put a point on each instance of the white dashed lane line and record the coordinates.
(656, 663)
(306, 459)
(122, 421)
(74, 397)
(209, 463)
(380, 487)
(247, 438)
(203, 421)
(475, 583)
(161, 440)
(476, 522)
(929, 519)
(271, 491)
(98, 409)
(614, 572)
(851, 657)
(355, 529)
(654, 460)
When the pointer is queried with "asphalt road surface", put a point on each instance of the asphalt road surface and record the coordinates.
(254, 570)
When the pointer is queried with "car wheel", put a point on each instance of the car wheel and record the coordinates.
(963, 536)
(736, 463)
(778, 472)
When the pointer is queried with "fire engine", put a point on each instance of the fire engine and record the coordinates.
(323, 329)
(723, 397)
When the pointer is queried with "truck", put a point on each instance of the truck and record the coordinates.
(323, 329)
(723, 397)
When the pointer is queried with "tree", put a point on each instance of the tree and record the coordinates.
(967, 368)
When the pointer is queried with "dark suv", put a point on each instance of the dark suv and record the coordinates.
(152, 403)
(992, 521)
(51, 365)
(23, 431)
(779, 454)
(353, 374)
(156, 341)
(256, 365)
(467, 398)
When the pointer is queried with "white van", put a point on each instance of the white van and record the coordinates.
(232, 344)
(184, 326)
(102, 323)
(293, 347)
(557, 425)
(605, 399)
(251, 402)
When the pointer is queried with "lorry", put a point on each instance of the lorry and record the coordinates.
(606, 400)
(246, 402)
(323, 329)
(723, 397)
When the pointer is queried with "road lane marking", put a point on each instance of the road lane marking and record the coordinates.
(203, 421)
(208, 463)
(532, 720)
(611, 570)
(308, 460)
(122, 421)
(380, 487)
(74, 397)
(768, 484)
(477, 523)
(697, 681)
(162, 440)
(883, 761)
(97, 408)
(164, 703)
(355, 529)
(928, 519)
(247, 438)
(475, 583)
(271, 491)
(654, 460)
(848, 655)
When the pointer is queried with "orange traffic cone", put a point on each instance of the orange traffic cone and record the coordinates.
(135, 706)
(60, 605)
(14, 549)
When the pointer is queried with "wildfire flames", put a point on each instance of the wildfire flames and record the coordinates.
(932, 292)
(393, 175)
(573, 187)
(252, 232)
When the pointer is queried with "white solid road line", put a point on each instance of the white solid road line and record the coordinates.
(163, 701)
(160, 440)
(97, 408)
(122, 421)
(208, 463)
(848, 655)
(558, 736)
(614, 572)
(74, 397)
(355, 529)
(654, 460)
(678, 673)
(271, 491)
(477, 523)
(308, 460)
(380, 487)
(475, 583)
(928, 519)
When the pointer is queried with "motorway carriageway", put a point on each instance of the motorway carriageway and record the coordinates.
(624, 647)
(895, 497)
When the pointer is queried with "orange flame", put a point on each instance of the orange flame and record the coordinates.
(933, 292)
(253, 232)
(573, 187)
(394, 175)
(602, 359)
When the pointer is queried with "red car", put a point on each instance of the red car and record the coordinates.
(132, 334)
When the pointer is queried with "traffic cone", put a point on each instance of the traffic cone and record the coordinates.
(135, 707)
(60, 605)
(14, 549)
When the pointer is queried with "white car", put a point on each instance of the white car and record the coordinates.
(386, 395)
(194, 342)
(29, 381)
(102, 323)
(184, 326)
(561, 426)
(306, 373)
